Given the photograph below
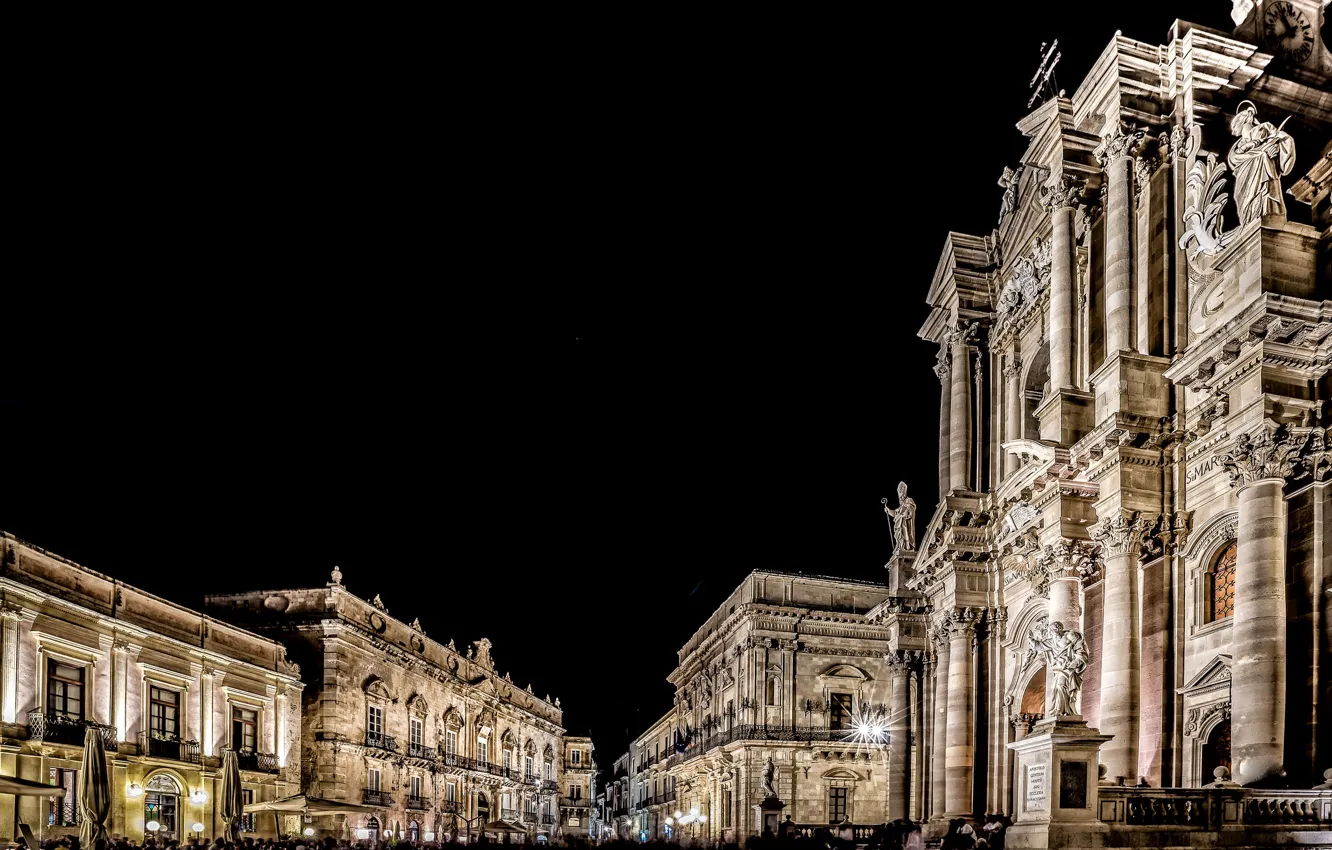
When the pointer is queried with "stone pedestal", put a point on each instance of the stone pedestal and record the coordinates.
(901, 569)
(768, 816)
(1055, 799)
(1065, 416)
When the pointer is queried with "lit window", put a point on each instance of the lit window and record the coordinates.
(836, 805)
(415, 732)
(1221, 585)
(415, 787)
(451, 742)
(163, 713)
(840, 716)
(244, 729)
(482, 750)
(372, 779)
(64, 690)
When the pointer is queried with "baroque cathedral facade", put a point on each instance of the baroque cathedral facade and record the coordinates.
(1133, 440)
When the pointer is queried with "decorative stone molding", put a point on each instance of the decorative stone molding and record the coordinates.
(1012, 366)
(1122, 140)
(943, 364)
(1122, 534)
(1029, 277)
(1270, 454)
(1067, 558)
(1202, 718)
(1063, 192)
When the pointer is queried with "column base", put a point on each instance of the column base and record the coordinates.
(1065, 416)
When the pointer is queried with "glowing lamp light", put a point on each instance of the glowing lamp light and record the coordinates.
(362, 834)
(153, 826)
(679, 815)
(134, 790)
(430, 836)
(197, 827)
(702, 818)
(199, 796)
(670, 821)
(309, 830)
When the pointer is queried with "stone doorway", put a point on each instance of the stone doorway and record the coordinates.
(1216, 751)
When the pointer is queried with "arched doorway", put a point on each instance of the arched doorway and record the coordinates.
(483, 807)
(372, 828)
(1216, 751)
(161, 807)
(413, 831)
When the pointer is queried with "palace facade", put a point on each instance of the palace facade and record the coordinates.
(1133, 444)
(438, 740)
(166, 689)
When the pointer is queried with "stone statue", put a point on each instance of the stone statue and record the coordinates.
(1009, 182)
(769, 779)
(902, 520)
(1066, 658)
(1260, 158)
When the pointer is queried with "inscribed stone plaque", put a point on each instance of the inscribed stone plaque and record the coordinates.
(1072, 784)
(1035, 786)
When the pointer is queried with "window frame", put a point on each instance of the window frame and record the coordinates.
(1209, 607)
(236, 745)
(838, 794)
(840, 711)
(52, 663)
(153, 702)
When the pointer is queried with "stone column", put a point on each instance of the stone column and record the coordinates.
(206, 731)
(959, 758)
(9, 672)
(1065, 562)
(942, 367)
(959, 414)
(1258, 466)
(917, 766)
(939, 743)
(280, 727)
(1116, 155)
(119, 685)
(899, 734)
(1121, 539)
(1012, 408)
(1062, 196)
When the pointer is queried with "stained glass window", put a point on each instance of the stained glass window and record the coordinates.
(1221, 599)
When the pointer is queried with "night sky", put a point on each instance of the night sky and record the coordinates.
(552, 346)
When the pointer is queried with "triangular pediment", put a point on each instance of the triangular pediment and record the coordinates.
(1216, 674)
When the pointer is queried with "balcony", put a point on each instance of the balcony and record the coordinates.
(547, 820)
(457, 761)
(549, 786)
(574, 803)
(58, 729)
(450, 807)
(510, 815)
(530, 779)
(164, 746)
(705, 741)
(418, 803)
(380, 741)
(491, 768)
(417, 751)
(259, 762)
(569, 765)
(375, 797)
(64, 813)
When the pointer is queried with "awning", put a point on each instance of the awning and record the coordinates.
(503, 826)
(29, 788)
(306, 805)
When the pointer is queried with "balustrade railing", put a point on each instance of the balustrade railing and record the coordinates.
(1212, 809)
(705, 741)
(549, 786)
(64, 813)
(59, 729)
(510, 815)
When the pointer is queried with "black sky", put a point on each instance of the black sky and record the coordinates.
(547, 332)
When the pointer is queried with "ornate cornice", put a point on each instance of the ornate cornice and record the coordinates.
(1121, 535)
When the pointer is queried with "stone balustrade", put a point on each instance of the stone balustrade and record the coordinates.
(1161, 817)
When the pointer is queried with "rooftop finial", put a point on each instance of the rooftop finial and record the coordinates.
(336, 575)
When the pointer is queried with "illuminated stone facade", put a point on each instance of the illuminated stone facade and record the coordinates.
(167, 689)
(1132, 444)
(439, 740)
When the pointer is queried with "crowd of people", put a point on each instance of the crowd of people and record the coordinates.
(898, 835)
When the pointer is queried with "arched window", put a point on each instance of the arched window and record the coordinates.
(1221, 584)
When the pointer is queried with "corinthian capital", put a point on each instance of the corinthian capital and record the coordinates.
(1063, 192)
(1268, 455)
(1012, 366)
(1122, 534)
(1068, 559)
(1120, 141)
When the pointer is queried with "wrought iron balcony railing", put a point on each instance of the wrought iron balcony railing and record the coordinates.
(549, 786)
(449, 807)
(261, 762)
(165, 746)
(419, 751)
(380, 741)
(574, 803)
(375, 797)
(510, 815)
(530, 779)
(59, 729)
(64, 813)
(584, 765)
(419, 803)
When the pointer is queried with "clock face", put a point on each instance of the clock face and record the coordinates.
(1288, 31)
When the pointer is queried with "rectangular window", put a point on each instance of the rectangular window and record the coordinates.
(726, 808)
(64, 690)
(508, 759)
(527, 765)
(772, 690)
(374, 721)
(576, 756)
(372, 779)
(245, 729)
(451, 792)
(840, 716)
(482, 750)
(64, 812)
(415, 732)
(416, 787)
(836, 805)
(549, 767)
(163, 713)
(451, 742)
(247, 821)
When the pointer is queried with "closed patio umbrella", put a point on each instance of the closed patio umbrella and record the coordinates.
(230, 804)
(29, 788)
(94, 791)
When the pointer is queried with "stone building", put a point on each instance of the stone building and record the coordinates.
(166, 688)
(781, 672)
(1133, 445)
(654, 789)
(438, 740)
(577, 791)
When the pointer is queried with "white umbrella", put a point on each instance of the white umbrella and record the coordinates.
(94, 791)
